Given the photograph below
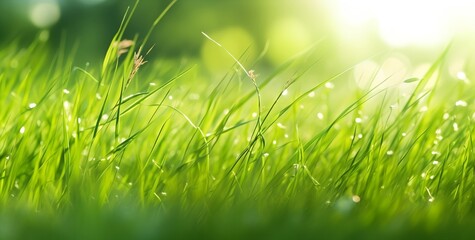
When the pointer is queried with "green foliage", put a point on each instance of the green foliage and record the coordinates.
(130, 151)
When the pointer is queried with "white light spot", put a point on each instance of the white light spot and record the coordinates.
(356, 198)
(45, 14)
(274, 142)
(254, 115)
(66, 91)
(424, 175)
(320, 115)
(438, 131)
(461, 103)
(170, 97)
(360, 136)
(31, 105)
(403, 134)
(98, 96)
(22, 130)
(435, 162)
(358, 120)
(105, 117)
(117, 168)
(66, 105)
(424, 109)
(265, 155)
(329, 85)
(446, 116)
(152, 84)
(390, 152)
(285, 92)
(280, 125)
(455, 126)
(286, 135)
(435, 153)
(311, 94)
(462, 76)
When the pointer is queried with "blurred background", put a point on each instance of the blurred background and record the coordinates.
(347, 31)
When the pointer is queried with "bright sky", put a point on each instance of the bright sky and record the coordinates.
(409, 22)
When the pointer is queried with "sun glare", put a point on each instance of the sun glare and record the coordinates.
(409, 22)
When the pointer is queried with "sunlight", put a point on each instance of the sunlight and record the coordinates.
(408, 22)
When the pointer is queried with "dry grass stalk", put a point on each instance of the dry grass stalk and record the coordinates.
(138, 61)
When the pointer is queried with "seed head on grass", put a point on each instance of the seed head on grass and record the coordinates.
(138, 61)
(123, 46)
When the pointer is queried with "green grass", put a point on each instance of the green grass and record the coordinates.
(121, 150)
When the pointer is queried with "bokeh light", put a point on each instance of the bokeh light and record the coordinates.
(409, 22)
(45, 14)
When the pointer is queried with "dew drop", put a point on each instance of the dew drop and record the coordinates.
(461, 103)
(329, 85)
(446, 116)
(31, 105)
(455, 126)
(320, 115)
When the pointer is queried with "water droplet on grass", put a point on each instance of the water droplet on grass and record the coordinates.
(356, 198)
(311, 94)
(461, 103)
(329, 85)
(280, 125)
(66, 91)
(320, 115)
(435, 162)
(390, 152)
(446, 116)
(358, 120)
(435, 153)
(22, 130)
(285, 92)
(31, 105)
(455, 126)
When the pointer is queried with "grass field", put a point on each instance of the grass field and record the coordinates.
(130, 149)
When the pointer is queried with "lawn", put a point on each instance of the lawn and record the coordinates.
(140, 148)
